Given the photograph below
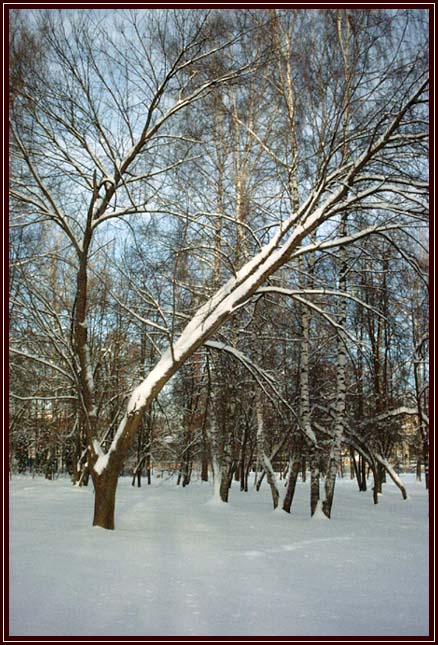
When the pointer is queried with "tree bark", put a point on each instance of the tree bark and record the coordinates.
(314, 481)
(105, 486)
(263, 455)
(338, 430)
(224, 486)
(293, 476)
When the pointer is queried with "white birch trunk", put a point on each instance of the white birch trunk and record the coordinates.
(214, 451)
(338, 429)
(263, 455)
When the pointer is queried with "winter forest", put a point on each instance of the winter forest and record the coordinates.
(218, 300)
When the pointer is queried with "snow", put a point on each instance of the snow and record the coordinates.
(180, 564)
(103, 457)
(318, 514)
(218, 308)
(101, 463)
(141, 393)
(97, 448)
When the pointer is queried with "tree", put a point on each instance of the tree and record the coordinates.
(91, 149)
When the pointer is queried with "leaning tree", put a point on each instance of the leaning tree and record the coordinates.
(101, 132)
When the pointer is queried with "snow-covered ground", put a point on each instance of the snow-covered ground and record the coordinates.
(179, 565)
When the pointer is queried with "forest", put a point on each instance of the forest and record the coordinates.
(219, 249)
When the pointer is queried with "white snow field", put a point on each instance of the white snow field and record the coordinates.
(179, 565)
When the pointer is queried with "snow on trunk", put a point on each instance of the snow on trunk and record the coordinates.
(217, 480)
(323, 203)
(206, 321)
(391, 472)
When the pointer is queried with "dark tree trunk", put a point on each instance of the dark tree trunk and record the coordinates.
(360, 469)
(76, 462)
(187, 473)
(246, 467)
(353, 465)
(148, 469)
(418, 469)
(426, 462)
(84, 476)
(136, 475)
(303, 469)
(379, 482)
(363, 472)
(242, 471)
(140, 459)
(291, 482)
(225, 487)
(377, 488)
(247, 470)
(260, 480)
(204, 467)
(314, 485)
(186, 466)
(355, 469)
(105, 486)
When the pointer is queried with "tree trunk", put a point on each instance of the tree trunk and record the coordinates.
(367, 457)
(303, 469)
(353, 465)
(426, 462)
(217, 476)
(363, 471)
(272, 480)
(84, 476)
(247, 468)
(292, 479)
(418, 469)
(358, 469)
(334, 462)
(136, 474)
(387, 468)
(224, 488)
(227, 472)
(240, 471)
(226, 467)
(148, 468)
(263, 457)
(204, 468)
(105, 486)
(314, 481)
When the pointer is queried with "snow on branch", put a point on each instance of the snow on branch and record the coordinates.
(401, 411)
(44, 398)
(283, 246)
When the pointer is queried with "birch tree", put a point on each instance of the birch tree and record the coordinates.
(344, 27)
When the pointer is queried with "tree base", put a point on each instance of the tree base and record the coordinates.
(104, 500)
